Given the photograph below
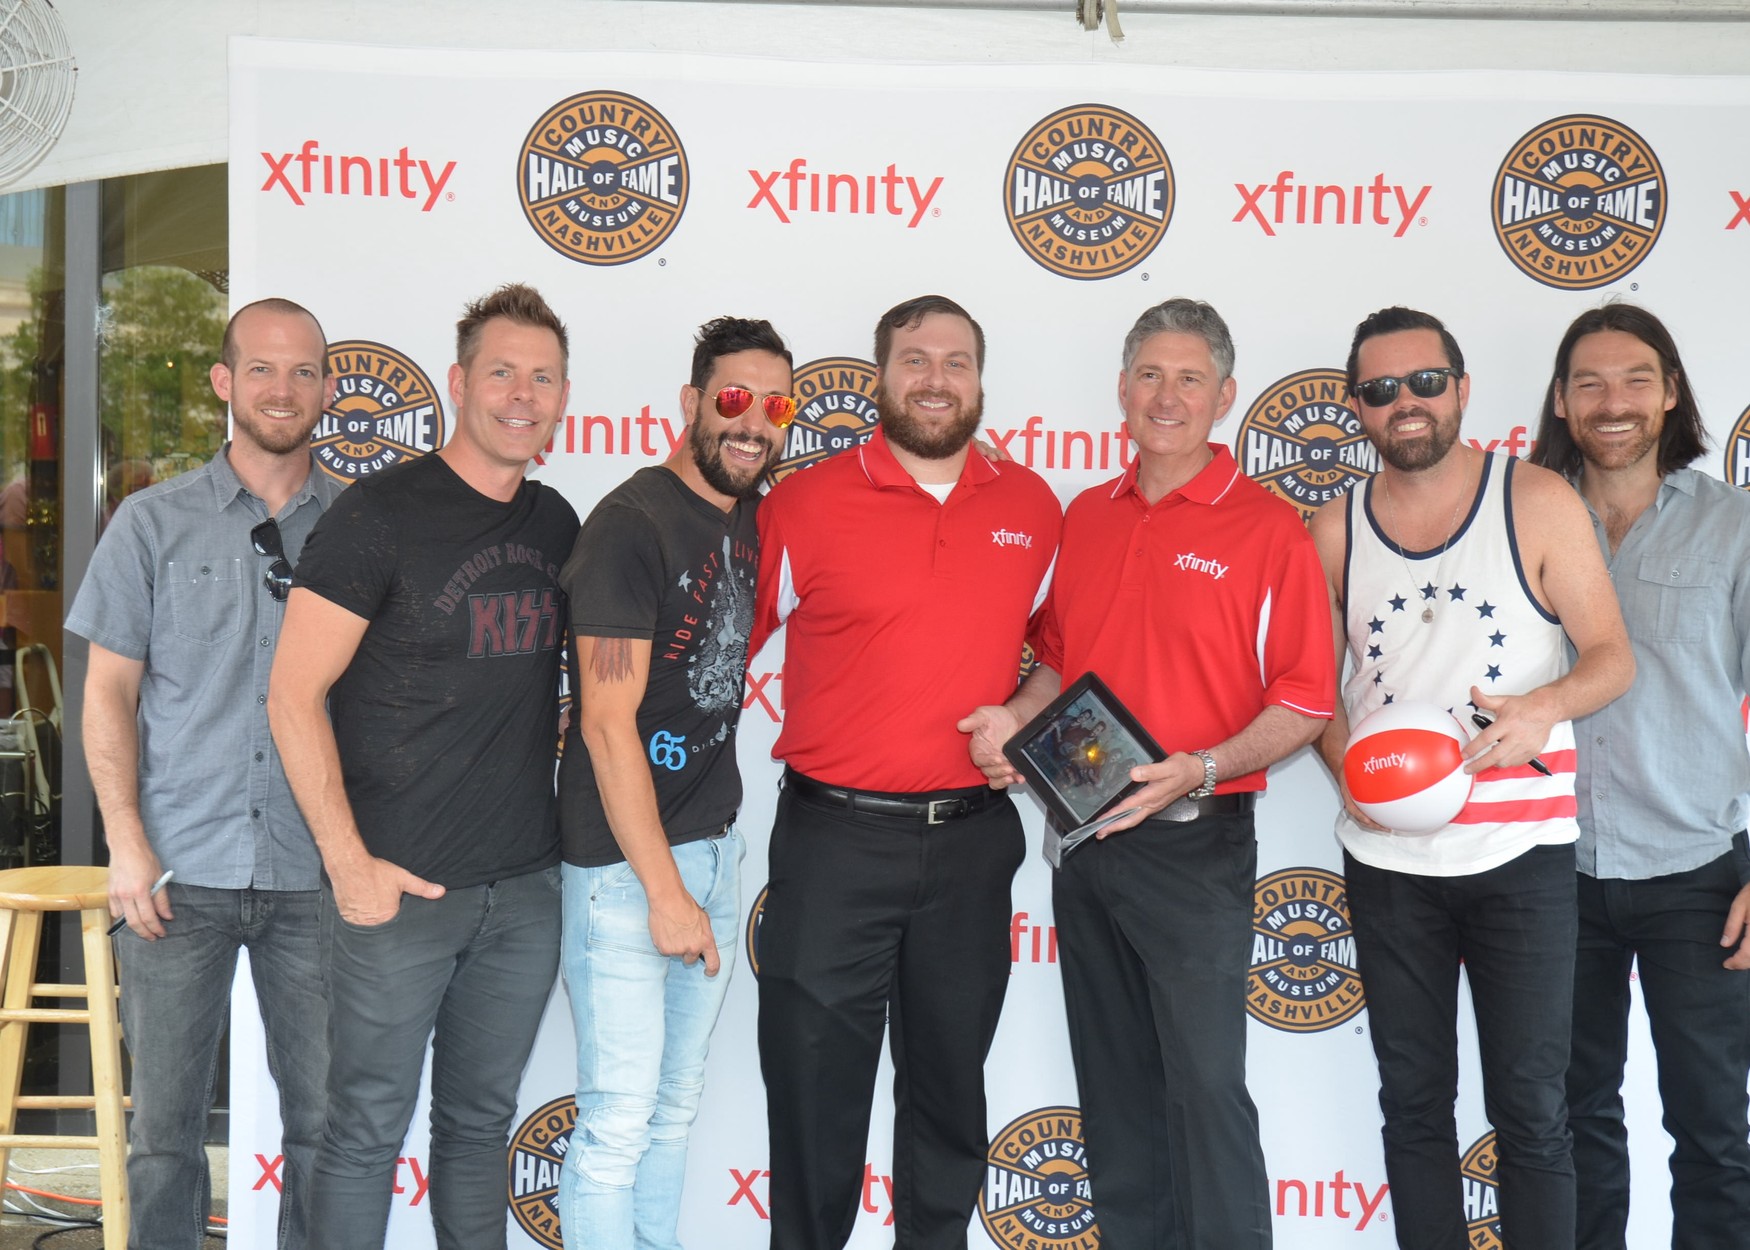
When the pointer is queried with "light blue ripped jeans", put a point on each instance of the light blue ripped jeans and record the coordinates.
(643, 1023)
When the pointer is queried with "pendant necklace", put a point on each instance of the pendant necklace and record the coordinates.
(1451, 532)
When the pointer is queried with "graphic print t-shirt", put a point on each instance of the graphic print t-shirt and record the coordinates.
(445, 716)
(655, 561)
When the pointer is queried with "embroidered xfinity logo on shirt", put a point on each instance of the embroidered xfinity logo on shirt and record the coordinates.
(1197, 564)
(1009, 538)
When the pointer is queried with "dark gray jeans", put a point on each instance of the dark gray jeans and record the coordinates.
(176, 997)
(471, 972)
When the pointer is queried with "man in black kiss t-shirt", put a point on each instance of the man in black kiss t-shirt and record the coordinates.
(661, 589)
(413, 703)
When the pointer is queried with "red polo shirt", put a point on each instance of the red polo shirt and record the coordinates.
(1199, 610)
(903, 614)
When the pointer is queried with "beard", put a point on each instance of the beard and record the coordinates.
(929, 442)
(1422, 453)
(722, 476)
(1611, 457)
(277, 438)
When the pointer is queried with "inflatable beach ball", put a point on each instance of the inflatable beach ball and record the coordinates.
(1405, 768)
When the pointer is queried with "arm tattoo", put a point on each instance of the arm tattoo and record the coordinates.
(612, 660)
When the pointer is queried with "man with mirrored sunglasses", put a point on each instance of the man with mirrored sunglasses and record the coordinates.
(661, 583)
(182, 605)
(1662, 779)
(1453, 576)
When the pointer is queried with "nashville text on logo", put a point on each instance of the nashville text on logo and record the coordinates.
(1195, 563)
(1009, 538)
(841, 193)
(1375, 763)
(1351, 205)
(353, 175)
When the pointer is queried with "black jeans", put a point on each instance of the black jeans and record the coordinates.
(868, 916)
(1154, 931)
(1700, 1017)
(1512, 928)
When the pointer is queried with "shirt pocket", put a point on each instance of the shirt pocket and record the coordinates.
(207, 598)
(1684, 589)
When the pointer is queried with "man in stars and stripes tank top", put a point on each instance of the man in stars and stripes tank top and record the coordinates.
(1453, 577)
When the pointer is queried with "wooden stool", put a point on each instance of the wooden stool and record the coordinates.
(25, 894)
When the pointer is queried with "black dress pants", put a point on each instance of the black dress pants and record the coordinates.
(867, 919)
(1154, 935)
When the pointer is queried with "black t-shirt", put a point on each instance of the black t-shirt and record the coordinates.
(656, 561)
(445, 716)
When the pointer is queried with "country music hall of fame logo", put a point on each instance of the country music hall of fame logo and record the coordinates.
(1088, 192)
(602, 178)
(835, 411)
(537, 1155)
(1738, 452)
(385, 411)
(1036, 1194)
(1303, 977)
(1482, 1204)
(1579, 201)
(1303, 442)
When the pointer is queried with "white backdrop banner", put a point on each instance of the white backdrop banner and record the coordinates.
(644, 194)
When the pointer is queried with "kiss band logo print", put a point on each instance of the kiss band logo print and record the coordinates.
(602, 178)
(385, 411)
(835, 410)
(1303, 977)
(1301, 441)
(751, 939)
(1036, 1194)
(1482, 1205)
(1089, 192)
(1579, 202)
(537, 1153)
(1738, 452)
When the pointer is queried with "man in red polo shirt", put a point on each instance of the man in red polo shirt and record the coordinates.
(1198, 598)
(906, 570)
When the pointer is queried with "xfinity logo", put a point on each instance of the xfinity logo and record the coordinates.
(1392, 759)
(1195, 563)
(322, 173)
(1378, 203)
(892, 193)
(1009, 538)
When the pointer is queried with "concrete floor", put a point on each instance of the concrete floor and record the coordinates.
(74, 1173)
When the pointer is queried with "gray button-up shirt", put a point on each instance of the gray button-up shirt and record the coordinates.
(1663, 774)
(175, 583)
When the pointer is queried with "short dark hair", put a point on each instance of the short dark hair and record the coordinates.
(910, 314)
(1683, 438)
(272, 304)
(516, 302)
(724, 336)
(1394, 321)
(1184, 316)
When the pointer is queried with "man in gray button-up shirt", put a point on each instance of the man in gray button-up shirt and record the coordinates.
(1662, 782)
(182, 606)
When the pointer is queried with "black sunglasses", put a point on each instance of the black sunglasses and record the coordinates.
(278, 578)
(1424, 383)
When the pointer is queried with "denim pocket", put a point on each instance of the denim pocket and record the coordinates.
(206, 598)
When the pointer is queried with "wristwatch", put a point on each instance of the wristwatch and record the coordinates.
(1208, 787)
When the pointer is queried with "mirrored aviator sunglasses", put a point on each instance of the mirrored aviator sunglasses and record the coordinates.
(265, 538)
(1424, 384)
(732, 401)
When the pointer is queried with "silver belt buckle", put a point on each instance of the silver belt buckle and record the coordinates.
(934, 819)
(1181, 809)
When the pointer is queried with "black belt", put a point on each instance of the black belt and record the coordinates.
(949, 805)
(1184, 809)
